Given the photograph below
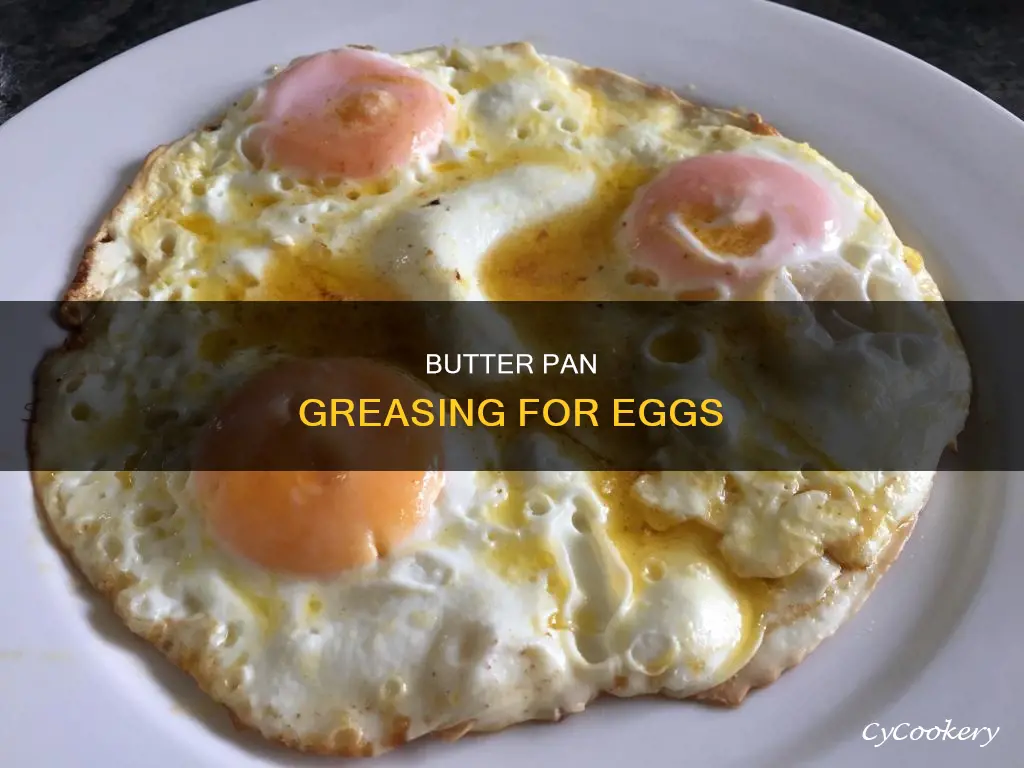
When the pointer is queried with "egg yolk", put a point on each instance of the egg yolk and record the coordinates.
(315, 518)
(723, 218)
(348, 113)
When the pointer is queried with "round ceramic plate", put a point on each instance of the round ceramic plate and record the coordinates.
(939, 640)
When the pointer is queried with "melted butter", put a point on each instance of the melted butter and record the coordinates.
(314, 606)
(845, 501)
(654, 546)
(913, 260)
(469, 76)
(645, 536)
(608, 113)
(202, 225)
(315, 273)
(519, 555)
(265, 608)
(564, 258)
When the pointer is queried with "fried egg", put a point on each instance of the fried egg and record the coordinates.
(348, 613)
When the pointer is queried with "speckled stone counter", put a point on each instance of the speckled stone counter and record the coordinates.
(45, 43)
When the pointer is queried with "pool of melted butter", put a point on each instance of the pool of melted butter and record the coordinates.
(652, 546)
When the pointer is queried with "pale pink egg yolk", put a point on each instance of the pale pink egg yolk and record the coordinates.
(723, 218)
(348, 113)
(314, 522)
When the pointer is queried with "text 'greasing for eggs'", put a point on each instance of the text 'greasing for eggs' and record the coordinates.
(667, 385)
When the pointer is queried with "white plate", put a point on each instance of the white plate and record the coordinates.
(939, 640)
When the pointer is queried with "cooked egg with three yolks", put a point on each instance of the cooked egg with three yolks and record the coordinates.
(356, 175)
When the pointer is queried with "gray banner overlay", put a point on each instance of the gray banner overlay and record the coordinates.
(514, 386)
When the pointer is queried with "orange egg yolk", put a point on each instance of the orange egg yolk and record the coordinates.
(721, 218)
(348, 113)
(314, 518)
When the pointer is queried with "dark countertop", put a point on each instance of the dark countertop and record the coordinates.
(45, 43)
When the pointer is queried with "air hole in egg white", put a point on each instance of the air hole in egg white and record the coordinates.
(147, 516)
(81, 412)
(676, 346)
(709, 294)
(539, 507)
(426, 570)
(912, 351)
(72, 385)
(652, 653)
(234, 631)
(654, 570)
(198, 188)
(144, 292)
(576, 143)
(112, 547)
(457, 60)
(644, 277)
(158, 418)
(477, 154)
(302, 220)
(235, 676)
(232, 681)
(353, 194)
(194, 282)
(192, 604)
(168, 244)
(285, 183)
(545, 105)
(523, 133)
(139, 261)
(580, 522)
(166, 542)
(393, 688)
(383, 187)
(569, 124)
